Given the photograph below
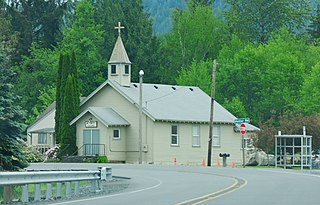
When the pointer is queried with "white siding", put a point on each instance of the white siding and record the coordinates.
(46, 122)
(185, 153)
(108, 97)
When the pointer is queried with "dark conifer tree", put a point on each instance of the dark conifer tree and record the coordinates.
(67, 102)
(70, 111)
(37, 21)
(315, 25)
(58, 101)
(12, 156)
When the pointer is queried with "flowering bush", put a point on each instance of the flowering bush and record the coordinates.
(52, 153)
(32, 155)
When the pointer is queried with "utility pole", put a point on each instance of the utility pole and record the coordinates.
(141, 73)
(211, 112)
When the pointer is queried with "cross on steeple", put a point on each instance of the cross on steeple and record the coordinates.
(119, 27)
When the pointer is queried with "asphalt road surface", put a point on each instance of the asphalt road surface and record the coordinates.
(180, 185)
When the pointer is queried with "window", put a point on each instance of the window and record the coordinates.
(196, 135)
(116, 134)
(126, 69)
(216, 136)
(174, 135)
(42, 138)
(113, 69)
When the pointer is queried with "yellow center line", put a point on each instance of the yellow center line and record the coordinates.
(217, 194)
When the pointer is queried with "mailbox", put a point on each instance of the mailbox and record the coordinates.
(224, 158)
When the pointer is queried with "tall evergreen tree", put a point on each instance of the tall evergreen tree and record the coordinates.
(36, 21)
(67, 102)
(74, 72)
(70, 111)
(11, 115)
(58, 113)
(314, 29)
(7, 36)
(64, 76)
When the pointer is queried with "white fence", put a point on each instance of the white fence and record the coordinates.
(24, 179)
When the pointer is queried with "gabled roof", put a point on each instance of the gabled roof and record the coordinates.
(44, 130)
(47, 111)
(119, 53)
(171, 102)
(50, 109)
(106, 116)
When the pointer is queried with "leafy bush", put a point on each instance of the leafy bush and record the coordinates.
(101, 159)
(33, 155)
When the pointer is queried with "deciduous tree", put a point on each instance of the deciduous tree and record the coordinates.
(85, 37)
(255, 20)
(197, 34)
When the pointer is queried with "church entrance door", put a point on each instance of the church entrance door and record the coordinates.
(91, 141)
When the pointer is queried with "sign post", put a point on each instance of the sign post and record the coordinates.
(243, 131)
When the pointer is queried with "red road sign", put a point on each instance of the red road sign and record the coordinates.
(243, 129)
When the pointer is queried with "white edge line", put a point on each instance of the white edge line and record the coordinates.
(113, 195)
(293, 173)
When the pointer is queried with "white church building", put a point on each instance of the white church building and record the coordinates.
(174, 121)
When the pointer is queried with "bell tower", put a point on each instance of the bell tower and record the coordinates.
(119, 65)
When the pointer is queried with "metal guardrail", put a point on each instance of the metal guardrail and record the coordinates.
(23, 179)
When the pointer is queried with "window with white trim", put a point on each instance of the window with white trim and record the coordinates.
(174, 135)
(113, 69)
(116, 134)
(216, 140)
(42, 138)
(126, 70)
(195, 135)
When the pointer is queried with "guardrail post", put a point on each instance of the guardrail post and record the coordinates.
(49, 191)
(58, 190)
(7, 194)
(25, 193)
(37, 192)
(76, 188)
(93, 186)
(106, 173)
(68, 189)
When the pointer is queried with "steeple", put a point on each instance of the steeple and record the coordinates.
(119, 65)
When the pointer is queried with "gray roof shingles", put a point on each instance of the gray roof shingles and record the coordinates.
(119, 54)
(105, 115)
(175, 103)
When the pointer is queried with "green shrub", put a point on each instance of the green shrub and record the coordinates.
(101, 159)
(32, 155)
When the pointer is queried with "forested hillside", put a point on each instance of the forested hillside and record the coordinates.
(160, 12)
(268, 52)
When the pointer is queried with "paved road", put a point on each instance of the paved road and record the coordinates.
(179, 185)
